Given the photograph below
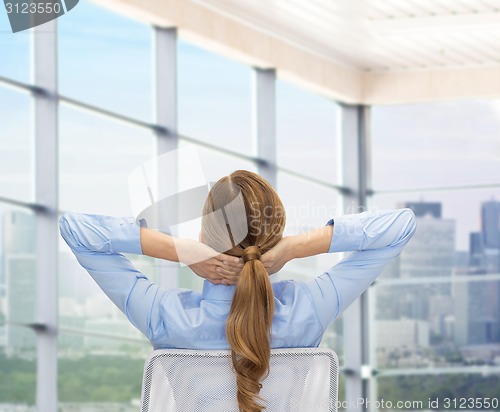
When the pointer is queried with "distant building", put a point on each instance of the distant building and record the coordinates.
(402, 332)
(431, 251)
(460, 294)
(476, 249)
(429, 254)
(440, 310)
(477, 310)
(490, 224)
(422, 209)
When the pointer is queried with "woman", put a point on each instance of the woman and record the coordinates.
(239, 308)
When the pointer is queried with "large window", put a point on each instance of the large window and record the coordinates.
(437, 305)
(435, 323)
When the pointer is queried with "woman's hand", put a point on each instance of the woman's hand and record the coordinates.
(220, 269)
(207, 263)
(203, 260)
(275, 258)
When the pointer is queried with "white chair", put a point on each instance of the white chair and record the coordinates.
(178, 380)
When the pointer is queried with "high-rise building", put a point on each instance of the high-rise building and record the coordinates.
(476, 249)
(490, 224)
(431, 251)
(477, 310)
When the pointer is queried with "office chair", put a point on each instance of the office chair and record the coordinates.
(179, 380)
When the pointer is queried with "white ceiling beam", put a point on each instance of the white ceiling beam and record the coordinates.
(431, 85)
(458, 22)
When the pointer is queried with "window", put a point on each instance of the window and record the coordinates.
(16, 146)
(214, 97)
(106, 60)
(307, 133)
(17, 305)
(96, 156)
(436, 144)
(437, 304)
(14, 52)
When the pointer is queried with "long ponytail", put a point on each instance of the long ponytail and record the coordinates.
(248, 329)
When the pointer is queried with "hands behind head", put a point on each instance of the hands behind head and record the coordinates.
(220, 270)
(225, 269)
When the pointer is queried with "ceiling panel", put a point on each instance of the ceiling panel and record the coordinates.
(379, 35)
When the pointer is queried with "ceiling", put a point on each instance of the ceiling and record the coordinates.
(379, 35)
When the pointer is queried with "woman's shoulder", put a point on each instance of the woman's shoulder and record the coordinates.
(284, 289)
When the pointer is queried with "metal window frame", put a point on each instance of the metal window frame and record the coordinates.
(167, 139)
(354, 129)
(264, 122)
(46, 195)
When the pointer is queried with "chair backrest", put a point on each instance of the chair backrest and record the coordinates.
(299, 380)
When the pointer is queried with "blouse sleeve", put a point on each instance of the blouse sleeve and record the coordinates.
(372, 240)
(98, 242)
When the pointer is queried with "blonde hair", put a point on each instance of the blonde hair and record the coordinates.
(248, 327)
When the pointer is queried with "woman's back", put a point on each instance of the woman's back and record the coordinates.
(197, 320)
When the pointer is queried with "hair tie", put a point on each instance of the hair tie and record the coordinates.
(251, 253)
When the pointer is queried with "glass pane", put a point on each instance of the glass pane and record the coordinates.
(16, 145)
(96, 157)
(17, 276)
(14, 51)
(18, 366)
(430, 325)
(214, 99)
(449, 225)
(216, 164)
(436, 144)
(308, 206)
(106, 60)
(100, 374)
(307, 140)
(439, 392)
(334, 338)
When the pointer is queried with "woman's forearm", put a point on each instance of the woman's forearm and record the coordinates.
(312, 243)
(187, 251)
(158, 245)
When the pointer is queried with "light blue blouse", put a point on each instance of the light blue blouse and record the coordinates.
(183, 318)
